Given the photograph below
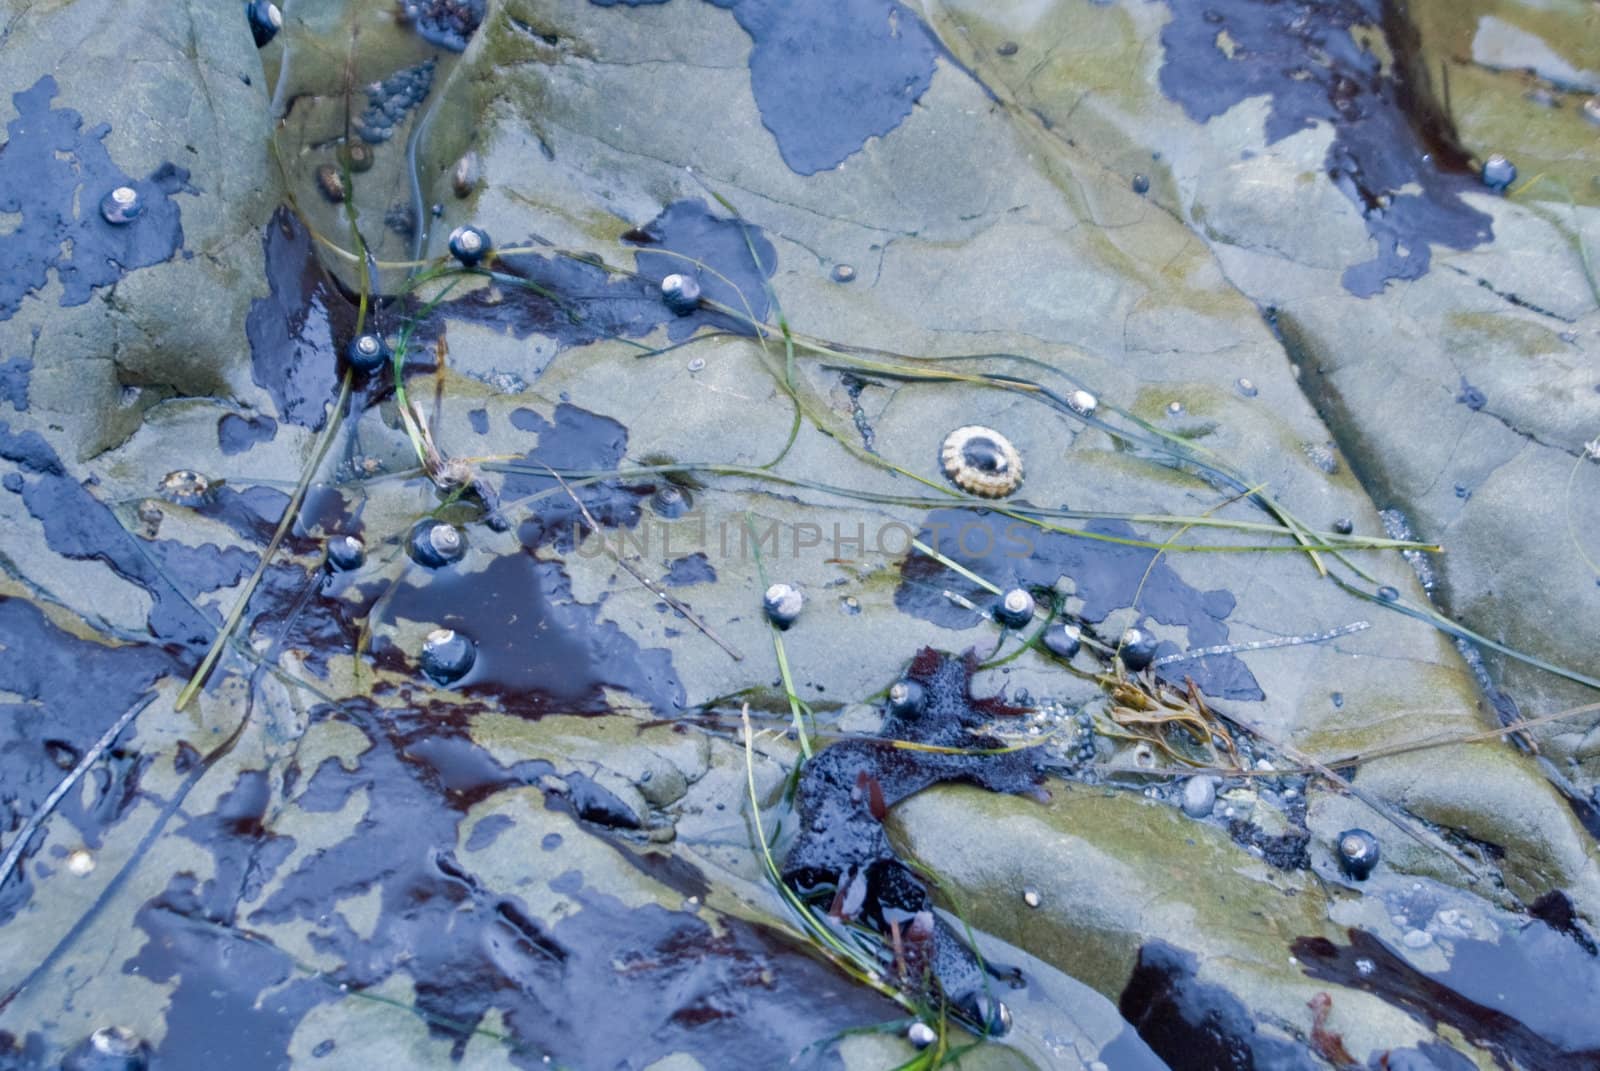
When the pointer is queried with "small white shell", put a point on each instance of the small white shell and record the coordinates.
(981, 461)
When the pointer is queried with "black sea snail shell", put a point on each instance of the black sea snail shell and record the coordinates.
(345, 552)
(981, 462)
(469, 245)
(905, 697)
(435, 544)
(121, 205)
(1063, 640)
(1358, 853)
(368, 352)
(783, 603)
(1137, 648)
(681, 293)
(265, 21)
(1015, 608)
(1498, 172)
(447, 656)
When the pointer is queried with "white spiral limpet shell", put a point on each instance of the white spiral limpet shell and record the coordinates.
(981, 461)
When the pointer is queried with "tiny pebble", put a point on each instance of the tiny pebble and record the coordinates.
(921, 1035)
(843, 273)
(1344, 526)
(1141, 183)
(1591, 110)
(1388, 594)
(1199, 796)
(1247, 387)
(1030, 896)
(697, 364)
(80, 862)
(1417, 939)
(1174, 408)
(1007, 48)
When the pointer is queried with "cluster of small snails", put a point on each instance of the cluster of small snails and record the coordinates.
(447, 655)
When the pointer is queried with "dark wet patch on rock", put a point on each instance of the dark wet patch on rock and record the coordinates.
(846, 790)
(539, 651)
(1514, 998)
(829, 75)
(255, 512)
(295, 331)
(488, 830)
(81, 527)
(236, 434)
(574, 440)
(236, 999)
(734, 996)
(576, 303)
(1389, 135)
(690, 569)
(1190, 1023)
(1556, 910)
(479, 419)
(68, 692)
(1108, 576)
(53, 173)
(389, 101)
(320, 624)
(14, 377)
(737, 277)
(197, 570)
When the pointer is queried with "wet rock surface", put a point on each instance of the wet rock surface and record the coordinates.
(1226, 276)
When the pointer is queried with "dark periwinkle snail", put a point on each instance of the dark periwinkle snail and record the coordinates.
(681, 293)
(905, 698)
(122, 205)
(1137, 648)
(1063, 640)
(265, 21)
(783, 603)
(435, 544)
(469, 245)
(1015, 608)
(368, 352)
(1498, 172)
(447, 656)
(345, 553)
(1358, 853)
